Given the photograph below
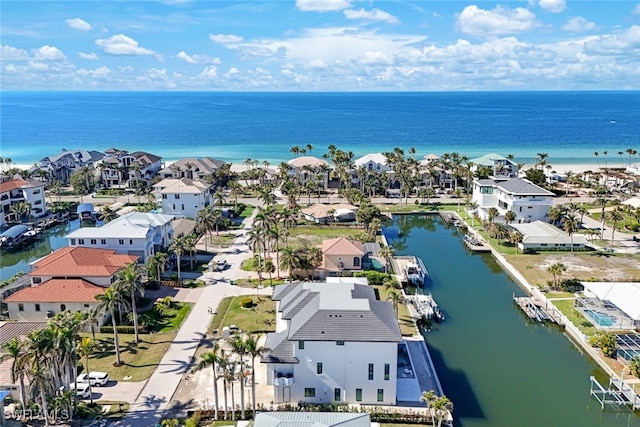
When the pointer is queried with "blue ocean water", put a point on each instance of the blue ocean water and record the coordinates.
(569, 126)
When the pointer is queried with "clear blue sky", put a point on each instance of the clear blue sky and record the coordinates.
(320, 45)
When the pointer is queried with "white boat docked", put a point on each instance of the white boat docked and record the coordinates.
(416, 272)
(426, 307)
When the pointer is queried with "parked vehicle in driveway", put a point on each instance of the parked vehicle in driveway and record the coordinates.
(95, 378)
(81, 389)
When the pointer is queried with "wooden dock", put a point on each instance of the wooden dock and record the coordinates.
(476, 244)
(538, 310)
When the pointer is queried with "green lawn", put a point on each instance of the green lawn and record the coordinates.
(223, 240)
(567, 308)
(139, 360)
(259, 318)
(407, 326)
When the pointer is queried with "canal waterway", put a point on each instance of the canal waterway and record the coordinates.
(498, 367)
(12, 262)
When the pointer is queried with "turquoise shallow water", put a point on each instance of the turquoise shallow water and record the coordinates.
(570, 126)
(498, 367)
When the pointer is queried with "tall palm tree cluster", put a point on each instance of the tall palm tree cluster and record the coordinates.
(44, 364)
(232, 366)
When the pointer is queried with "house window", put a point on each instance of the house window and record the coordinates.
(176, 196)
(387, 369)
(182, 207)
(20, 307)
(36, 192)
(37, 307)
(81, 241)
(319, 368)
(103, 241)
(164, 196)
(94, 242)
(337, 394)
(309, 392)
(87, 306)
(358, 395)
(63, 307)
(339, 342)
(370, 371)
(131, 241)
(121, 241)
(37, 280)
(300, 345)
(356, 261)
(73, 242)
(380, 394)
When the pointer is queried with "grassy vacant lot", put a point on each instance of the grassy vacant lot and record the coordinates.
(139, 360)
(315, 234)
(588, 266)
(567, 308)
(260, 317)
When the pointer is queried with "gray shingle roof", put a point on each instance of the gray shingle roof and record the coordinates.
(311, 419)
(281, 349)
(517, 186)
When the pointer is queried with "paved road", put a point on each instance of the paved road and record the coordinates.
(155, 397)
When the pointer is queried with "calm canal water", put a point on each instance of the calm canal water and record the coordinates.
(52, 239)
(497, 367)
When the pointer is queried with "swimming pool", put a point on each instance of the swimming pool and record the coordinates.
(600, 319)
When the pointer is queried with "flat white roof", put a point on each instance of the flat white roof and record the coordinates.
(538, 232)
(624, 295)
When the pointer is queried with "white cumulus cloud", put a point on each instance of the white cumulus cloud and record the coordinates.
(10, 53)
(371, 15)
(48, 53)
(578, 24)
(554, 6)
(625, 43)
(499, 21)
(99, 73)
(122, 45)
(322, 5)
(79, 24)
(225, 38)
(210, 72)
(197, 59)
(91, 56)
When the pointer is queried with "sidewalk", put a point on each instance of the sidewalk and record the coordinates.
(155, 397)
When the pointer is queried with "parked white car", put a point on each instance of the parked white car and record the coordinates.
(81, 389)
(95, 378)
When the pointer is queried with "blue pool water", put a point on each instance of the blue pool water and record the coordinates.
(601, 319)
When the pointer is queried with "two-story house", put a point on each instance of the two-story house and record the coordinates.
(67, 279)
(183, 196)
(340, 255)
(309, 168)
(192, 168)
(497, 165)
(119, 167)
(17, 190)
(529, 201)
(61, 166)
(137, 233)
(334, 343)
(373, 162)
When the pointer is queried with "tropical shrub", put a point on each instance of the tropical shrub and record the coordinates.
(634, 366)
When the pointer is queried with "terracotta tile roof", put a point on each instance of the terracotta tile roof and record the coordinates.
(59, 291)
(82, 262)
(342, 246)
(12, 185)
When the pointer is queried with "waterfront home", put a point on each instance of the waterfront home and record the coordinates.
(340, 255)
(61, 166)
(334, 343)
(309, 168)
(137, 233)
(376, 162)
(529, 201)
(497, 165)
(16, 190)
(322, 214)
(192, 168)
(540, 235)
(183, 196)
(611, 305)
(119, 167)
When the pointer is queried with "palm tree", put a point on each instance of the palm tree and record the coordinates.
(178, 247)
(556, 271)
(509, 216)
(386, 252)
(395, 298)
(190, 242)
(112, 301)
(16, 350)
(439, 406)
(156, 264)
(129, 281)
(492, 214)
(107, 214)
(615, 216)
(212, 359)
(85, 349)
(571, 225)
(20, 210)
(253, 350)
(239, 347)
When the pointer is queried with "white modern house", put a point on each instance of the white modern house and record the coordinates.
(500, 166)
(137, 233)
(309, 168)
(17, 190)
(540, 235)
(373, 162)
(334, 343)
(529, 201)
(183, 196)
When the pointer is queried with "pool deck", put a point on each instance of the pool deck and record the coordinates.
(422, 376)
